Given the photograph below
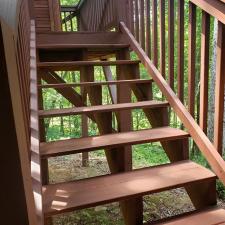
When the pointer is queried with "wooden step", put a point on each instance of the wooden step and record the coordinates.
(65, 197)
(87, 40)
(97, 83)
(214, 216)
(86, 144)
(51, 46)
(74, 65)
(102, 108)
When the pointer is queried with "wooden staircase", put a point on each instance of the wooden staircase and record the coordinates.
(81, 52)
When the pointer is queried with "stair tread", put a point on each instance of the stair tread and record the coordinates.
(96, 83)
(101, 108)
(54, 40)
(77, 145)
(79, 46)
(76, 64)
(215, 216)
(64, 197)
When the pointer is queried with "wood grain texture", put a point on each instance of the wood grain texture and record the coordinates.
(66, 197)
(101, 108)
(71, 146)
(219, 90)
(76, 65)
(109, 82)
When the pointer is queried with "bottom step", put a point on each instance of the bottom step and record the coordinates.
(65, 197)
(215, 216)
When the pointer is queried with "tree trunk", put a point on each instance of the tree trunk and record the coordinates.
(212, 85)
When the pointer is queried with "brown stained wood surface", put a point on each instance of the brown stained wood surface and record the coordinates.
(214, 216)
(54, 39)
(162, 38)
(109, 83)
(171, 42)
(101, 108)
(154, 33)
(191, 58)
(71, 146)
(76, 65)
(64, 197)
(180, 74)
(206, 147)
(215, 8)
(219, 90)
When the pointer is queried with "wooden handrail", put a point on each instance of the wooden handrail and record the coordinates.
(206, 147)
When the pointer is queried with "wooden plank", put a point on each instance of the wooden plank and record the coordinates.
(71, 146)
(171, 42)
(70, 196)
(51, 39)
(206, 147)
(162, 39)
(148, 28)
(66, 45)
(101, 108)
(215, 8)
(97, 83)
(16, 167)
(180, 74)
(137, 25)
(142, 23)
(219, 90)
(204, 74)
(191, 58)
(74, 65)
(154, 33)
(214, 216)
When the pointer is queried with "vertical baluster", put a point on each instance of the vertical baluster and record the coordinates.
(132, 16)
(205, 38)
(180, 73)
(148, 29)
(219, 88)
(191, 58)
(137, 20)
(162, 38)
(154, 33)
(171, 42)
(142, 18)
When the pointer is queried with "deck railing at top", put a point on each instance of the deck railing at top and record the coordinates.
(95, 15)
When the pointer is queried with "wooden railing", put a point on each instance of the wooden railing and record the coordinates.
(162, 49)
(95, 15)
(166, 46)
(174, 57)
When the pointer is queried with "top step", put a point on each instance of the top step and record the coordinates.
(80, 40)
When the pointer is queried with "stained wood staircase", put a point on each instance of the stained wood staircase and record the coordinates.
(81, 52)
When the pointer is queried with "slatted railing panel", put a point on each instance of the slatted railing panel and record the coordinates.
(23, 56)
(176, 35)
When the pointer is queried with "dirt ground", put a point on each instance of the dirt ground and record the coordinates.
(156, 206)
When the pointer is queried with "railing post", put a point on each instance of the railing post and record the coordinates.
(219, 88)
